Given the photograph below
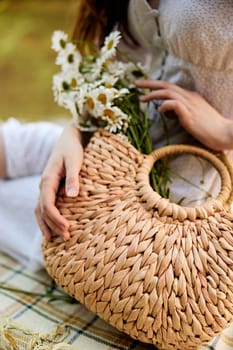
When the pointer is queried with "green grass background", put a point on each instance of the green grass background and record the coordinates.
(26, 58)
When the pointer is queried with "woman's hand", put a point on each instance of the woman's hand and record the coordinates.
(64, 162)
(198, 117)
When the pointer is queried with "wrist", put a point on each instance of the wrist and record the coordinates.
(72, 128)
(82, 136)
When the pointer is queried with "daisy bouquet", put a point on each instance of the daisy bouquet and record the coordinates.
(99, 91)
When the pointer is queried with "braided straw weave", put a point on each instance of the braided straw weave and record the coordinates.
(160, 272)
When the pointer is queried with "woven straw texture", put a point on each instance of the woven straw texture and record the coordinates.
(160, 272)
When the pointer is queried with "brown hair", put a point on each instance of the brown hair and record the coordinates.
(97, 18)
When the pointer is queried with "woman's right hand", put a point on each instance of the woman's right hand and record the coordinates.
(65, 162)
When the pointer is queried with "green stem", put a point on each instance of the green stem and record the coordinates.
(139, 137)
(134, 137)
(165, 128)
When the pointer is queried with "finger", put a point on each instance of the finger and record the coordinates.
(163, 94)
(49, 189)
(42, 225)
(50, 227)
(180, 109)
(55, 221)
(73, 166)
(55, 230)
(161, 84)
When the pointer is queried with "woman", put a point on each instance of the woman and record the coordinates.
(189, 48)
(189, 45)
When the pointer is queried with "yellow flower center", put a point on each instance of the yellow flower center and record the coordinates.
(102, 98)
(74, 83)
(106, 63)
(110, 44)
(109, 113)
(90, 103)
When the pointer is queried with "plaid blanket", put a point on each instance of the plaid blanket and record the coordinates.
(44, 319)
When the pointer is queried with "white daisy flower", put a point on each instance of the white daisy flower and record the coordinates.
(95, 96)
(71, 78)
(69, 58)
(58, 88)
(93, 106)
(105, 95)
(59, 40)
(64, 85)
(108, 80)
(133, 72)
(116, 119)
(117, 69)
(110, 44)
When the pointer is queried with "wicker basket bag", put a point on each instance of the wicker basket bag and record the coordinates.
(160, 272)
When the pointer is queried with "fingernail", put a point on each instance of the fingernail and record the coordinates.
(66, 236)
(72, 192)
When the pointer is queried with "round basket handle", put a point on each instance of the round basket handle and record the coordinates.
(164, 207)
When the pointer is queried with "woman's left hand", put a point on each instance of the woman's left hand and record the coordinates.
(64, 162)
(196, 115)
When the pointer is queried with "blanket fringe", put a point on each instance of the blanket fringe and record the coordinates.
(15, 337)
